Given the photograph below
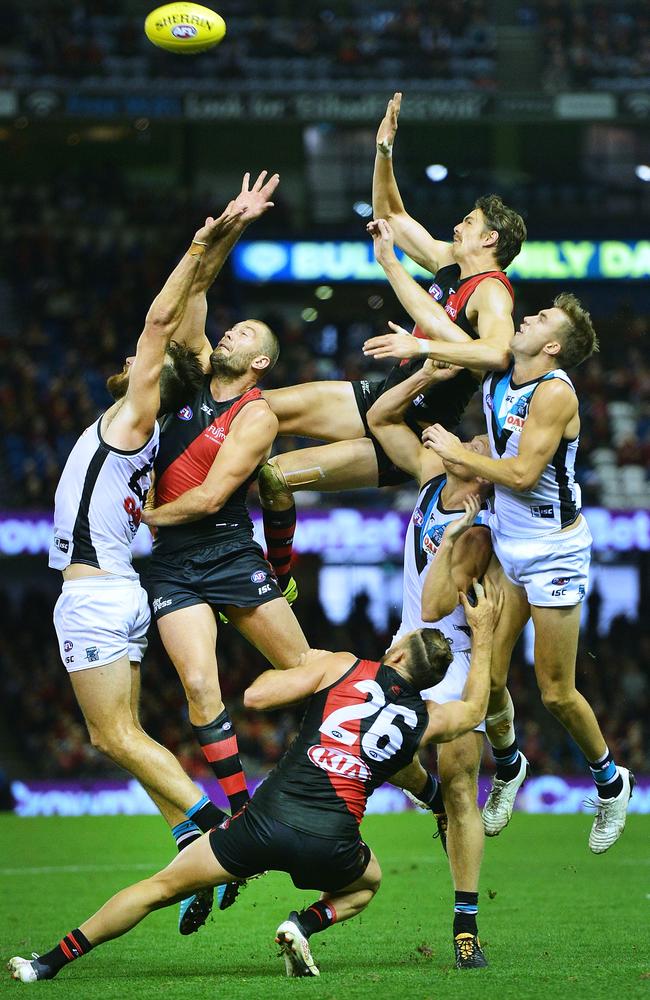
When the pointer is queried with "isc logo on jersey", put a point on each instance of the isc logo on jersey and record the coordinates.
(339, 762)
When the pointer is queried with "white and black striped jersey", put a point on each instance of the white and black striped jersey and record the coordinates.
(554, 501)
(98, 503)
(423, 538)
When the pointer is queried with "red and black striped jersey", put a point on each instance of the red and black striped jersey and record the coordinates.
(355, 735)
(445, 402)
(189, 443)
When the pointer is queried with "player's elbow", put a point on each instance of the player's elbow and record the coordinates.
(500, 359)
(525, 479)
(253, 699)
(378, 416)
(433, 609)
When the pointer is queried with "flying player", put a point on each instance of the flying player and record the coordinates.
(443, 553)
(542, 541)
(102, 616)
(469, 281)
(363, 721)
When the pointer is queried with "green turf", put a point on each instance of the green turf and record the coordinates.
(556, 921)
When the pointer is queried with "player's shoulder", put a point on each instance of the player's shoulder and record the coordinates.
(493, 290)
(257, 414)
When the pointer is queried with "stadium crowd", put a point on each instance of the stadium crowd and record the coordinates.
(613, 672)
(72, 302)
(284, 41)
(600, 44)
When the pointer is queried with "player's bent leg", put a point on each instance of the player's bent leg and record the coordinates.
(324, 410)
(556, 644)
(511, 765)
(340, 466)
(458, 764)
(274, 630)
(189, 636)
(293, 933)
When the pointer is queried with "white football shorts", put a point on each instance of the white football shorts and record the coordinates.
(552, 569)
(451, 687)
(99, 619)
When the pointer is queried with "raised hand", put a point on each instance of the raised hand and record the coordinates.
(388, 125)
(445, 444)
(255, 201)
(214, 229)
(455, 529)
(482, 617)
(400, 344)
(382, 240)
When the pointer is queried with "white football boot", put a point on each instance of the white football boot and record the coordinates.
(500, 802)
(294, 946)
(609, 822)
(22, 969)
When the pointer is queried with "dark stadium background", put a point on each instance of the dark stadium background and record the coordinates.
(111, 152)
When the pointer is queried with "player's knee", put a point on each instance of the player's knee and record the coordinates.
(115, 741)
(557, 700)
(201, 686)
(272, 484)
(460, 792)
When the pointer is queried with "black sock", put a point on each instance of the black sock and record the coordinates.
(465, 912)
(205, 814)
(317, 917)
(431, 794)
(219, 745)
(507, 760)
(72, 946)
(279, 529)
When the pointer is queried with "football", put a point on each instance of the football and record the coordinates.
(186, 28)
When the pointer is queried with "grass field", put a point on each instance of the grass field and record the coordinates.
(555, 920)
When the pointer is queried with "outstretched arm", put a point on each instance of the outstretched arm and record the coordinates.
(447, 722)
(386, 421)
(247, 445)
(553, 407)
(463, 555)
(250, 204)
(387, 202)
(138, 412)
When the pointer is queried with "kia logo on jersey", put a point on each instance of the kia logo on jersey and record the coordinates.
(186, 413)
(339, 762)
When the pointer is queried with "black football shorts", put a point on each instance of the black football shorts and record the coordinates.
(252, 842)
(232, 572)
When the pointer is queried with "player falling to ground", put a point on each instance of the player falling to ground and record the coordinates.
(469, 281)
(542, 542)
(102, 616)
(443, 553)
(363, 721)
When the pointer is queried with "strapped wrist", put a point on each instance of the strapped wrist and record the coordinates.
(197, 248)
(385, 151)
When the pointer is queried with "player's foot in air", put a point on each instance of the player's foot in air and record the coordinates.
(298, 959)
(289, 589)
(469, 954)
(611, 815)
(194, 911)
(500, 802)
(440, 817)
(27, 971)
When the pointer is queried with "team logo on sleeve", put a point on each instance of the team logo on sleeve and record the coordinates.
(185, 413)
(92, 654)
(339, 762)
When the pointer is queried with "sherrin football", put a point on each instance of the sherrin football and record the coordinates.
(186, 28)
